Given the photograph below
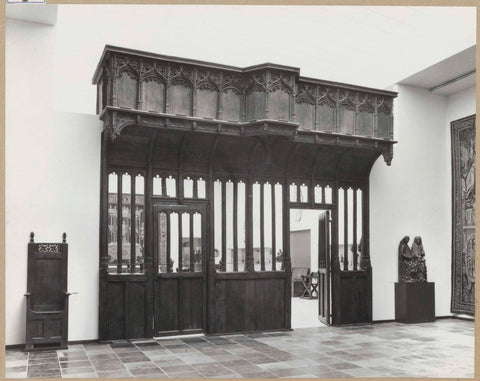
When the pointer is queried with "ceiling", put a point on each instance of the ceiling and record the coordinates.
(37, 13)
(371, 46)
(448, 76)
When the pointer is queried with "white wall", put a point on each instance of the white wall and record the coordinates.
(52, 180)
(413, 196)
(460, 105)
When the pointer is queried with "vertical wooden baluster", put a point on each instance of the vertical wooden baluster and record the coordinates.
(192, 262)
(345, 229)
(262, 227)
(132, 227)
(249, 263)
(274, 230)
(224, 226)
(195, 188)
(355, 248)
(169, 257)
(119, 223)
(164, 186)
(324, 200)
(235, 226)
(180, 239)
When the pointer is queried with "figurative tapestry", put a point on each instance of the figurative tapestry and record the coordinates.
(463, 260)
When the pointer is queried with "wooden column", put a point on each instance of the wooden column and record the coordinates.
(274, 230)
(224, 226)
(192, 259)
(149, 251)
(345, 229)
(103, 249)
(195, 188)
(169, 257)
(235, 226)
(119, 223)
(262, 228)
(132, 224)
(249, 263)
(180, 239)
(287, 265)
(366, 227)
(355, 249)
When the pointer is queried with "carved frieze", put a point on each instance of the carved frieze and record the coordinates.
(305, 94)
(180, 75)
(232, 82)
(256, 82)
(127, 64)
(384, 105)
(366, 103)
(208, 80)
(280, 81)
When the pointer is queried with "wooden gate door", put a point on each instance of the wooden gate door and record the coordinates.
(324, 267)
(180, 261)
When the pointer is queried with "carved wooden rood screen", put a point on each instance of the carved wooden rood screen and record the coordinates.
(200, 166)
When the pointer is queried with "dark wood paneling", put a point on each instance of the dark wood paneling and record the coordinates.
(279, 105)
(354, 297)
(305, 115)
(364, 124)
(166, 303)
(325, 118)
(127, 89)
(153, 96)
(249, 302)
(180, 100)
(192, 300)
(346, 120)
(384, 126)
(231, 106)
(136, 309)
(206, 103)
(256, 105)
(115, 310)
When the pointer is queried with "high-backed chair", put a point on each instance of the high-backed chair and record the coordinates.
(47, 296)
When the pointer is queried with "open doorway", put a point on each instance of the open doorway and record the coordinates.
(310, 247)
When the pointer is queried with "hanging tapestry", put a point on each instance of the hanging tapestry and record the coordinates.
(463, 255)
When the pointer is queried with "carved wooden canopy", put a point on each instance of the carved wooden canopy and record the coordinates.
(143, 96)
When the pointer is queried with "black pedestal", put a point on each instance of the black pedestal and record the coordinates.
(414, 302)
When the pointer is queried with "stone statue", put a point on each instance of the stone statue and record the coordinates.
(411, 261)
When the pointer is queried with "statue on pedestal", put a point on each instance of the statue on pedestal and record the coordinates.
(411, 261)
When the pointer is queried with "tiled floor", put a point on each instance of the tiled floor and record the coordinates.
(440, 349)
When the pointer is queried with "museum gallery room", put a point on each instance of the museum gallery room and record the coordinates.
(239, 191)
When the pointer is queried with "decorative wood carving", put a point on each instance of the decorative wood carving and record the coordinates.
(219, 144)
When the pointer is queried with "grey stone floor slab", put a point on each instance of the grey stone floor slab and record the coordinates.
(444, 348)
